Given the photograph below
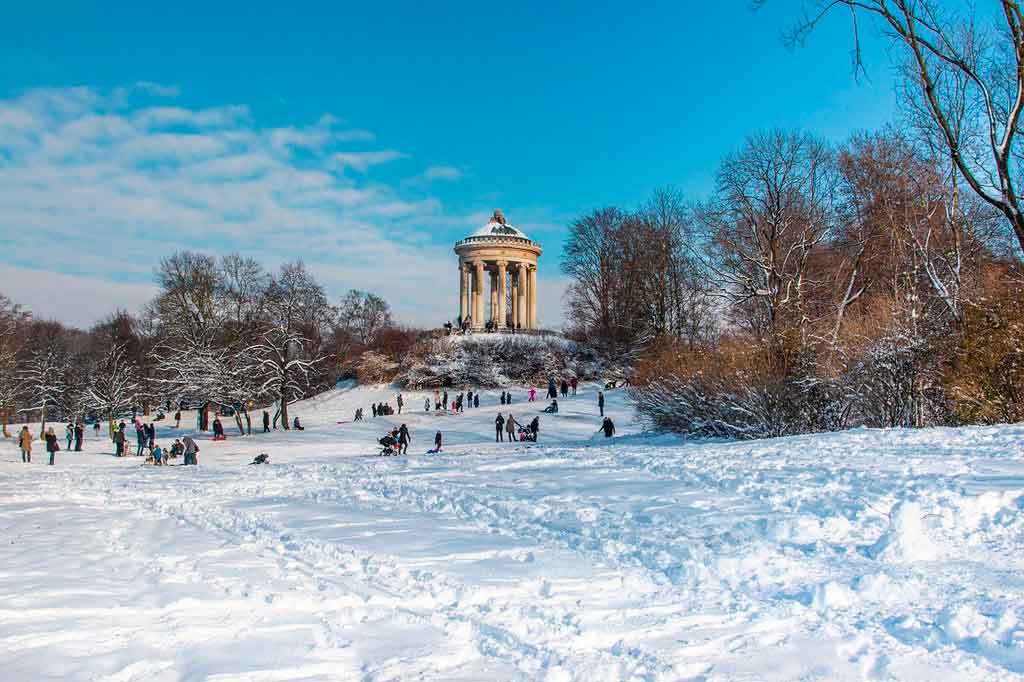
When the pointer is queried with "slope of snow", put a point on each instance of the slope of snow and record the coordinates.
(865, 555)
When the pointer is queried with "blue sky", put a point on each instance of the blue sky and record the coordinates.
(367, 139)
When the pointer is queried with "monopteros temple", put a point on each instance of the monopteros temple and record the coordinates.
(506, 259)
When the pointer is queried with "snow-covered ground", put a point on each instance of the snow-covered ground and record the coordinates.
(860, 555)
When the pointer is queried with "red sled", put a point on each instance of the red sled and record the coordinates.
(217, 438)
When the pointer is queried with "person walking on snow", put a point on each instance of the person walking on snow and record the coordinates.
(70, 433)
(25, 443)
(190, 450)
(400, 402)
(573, 383)
(52, 446)
(403, 440)
(476, 399)
(266, 422)
(600, 402)
(552, 391)
(533, 394)
(177, 419)
(444, 400)
(510, 428)
(499, 428)
(608, 427)
(565, 388)
(373, 406)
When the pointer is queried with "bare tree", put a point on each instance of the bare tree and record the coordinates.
(966, 79)
(772, 208)
(113, 383)
(364, 315)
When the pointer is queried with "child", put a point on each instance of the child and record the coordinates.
(158, 455)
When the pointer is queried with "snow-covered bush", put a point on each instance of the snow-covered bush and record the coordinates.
(375, 368)
(490, 361)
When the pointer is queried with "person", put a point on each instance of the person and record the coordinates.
(389, 441)
(565, 388)
(373, 409)
(437, 442)
(600, 402)
(177, 450)
(403, 440)
(510, 428)
(358, 415)
(426, 404)
(52, 446)
(533, 394)
(499, 428)
(296, 425)
(266, 422)
(218, 429)
(444, 400)
(401, 402)
(608, 427)
(177, 419)
(79, 436)
(140, 439)
(552, 391)
(96, 428)
(508, 398)
(501, 399)
(151, 435)
(158, 455)
(476, 399)
(534, 428)
(191, 449)
(25, 443)
(574, 382)
(460, 403)
(437, 400)
(119, 440)
(469, 398)
(552, 408)
(69, 431)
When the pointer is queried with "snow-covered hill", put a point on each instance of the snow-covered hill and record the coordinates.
(859, 555)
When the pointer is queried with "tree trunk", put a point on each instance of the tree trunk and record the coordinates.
(284, 404)
(42, 423)
(238, 422)
(248, 424)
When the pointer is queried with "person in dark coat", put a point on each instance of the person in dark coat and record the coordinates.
(565, 388)
(177, 419)
(266, 422)
(600, 402)
(403, 439)
(444, 400)
(499, 428)
(608, 427)
(574, 382)
(535, 428)
(437, 442)
(119, 440)
(401, 402)
(469, 398)
(297, 425)
(476, 399)
(373, 408)
(52, 446)
(79, 436)
(552, 390)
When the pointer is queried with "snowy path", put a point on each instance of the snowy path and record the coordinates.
(861, 555)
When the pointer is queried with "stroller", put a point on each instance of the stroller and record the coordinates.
(389, 444)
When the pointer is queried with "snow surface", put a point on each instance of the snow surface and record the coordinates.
(864, 555)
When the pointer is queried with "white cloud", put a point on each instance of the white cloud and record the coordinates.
(362, 161)
(442, 173)
(95, 188)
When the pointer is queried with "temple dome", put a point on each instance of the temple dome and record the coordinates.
(497, 226)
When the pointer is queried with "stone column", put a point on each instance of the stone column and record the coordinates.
(463, 292)
(521, 299)
(515, 296)
(502, 293)
(533, 297)
(492, 277)
(478, 295)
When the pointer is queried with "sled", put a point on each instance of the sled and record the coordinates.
(217, 439)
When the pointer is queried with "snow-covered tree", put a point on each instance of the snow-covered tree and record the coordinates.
(113, 383)
(42, 374)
